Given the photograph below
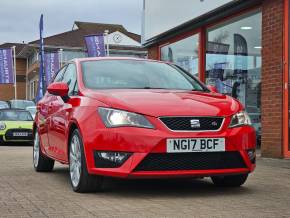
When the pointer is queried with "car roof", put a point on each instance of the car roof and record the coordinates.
(20, 100)
(114, 58)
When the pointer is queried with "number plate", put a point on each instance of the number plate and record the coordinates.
(195, 145)
(20, 134)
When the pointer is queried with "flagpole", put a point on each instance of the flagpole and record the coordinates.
(60, 57)
(26, 80)
(107, 42)
(14, 67)
(41, 79)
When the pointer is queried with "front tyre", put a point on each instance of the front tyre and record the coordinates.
(230, 181)
(81, 181)
(41, 163)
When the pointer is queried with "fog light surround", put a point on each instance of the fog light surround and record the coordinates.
(110, 159)
(252, 155)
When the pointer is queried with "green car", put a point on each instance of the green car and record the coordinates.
(15, 125)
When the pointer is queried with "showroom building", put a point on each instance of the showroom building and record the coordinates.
(239, 46)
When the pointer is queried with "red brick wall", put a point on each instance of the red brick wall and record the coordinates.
(272, 78)
(153, 52)
(21, 66)
(6, 92)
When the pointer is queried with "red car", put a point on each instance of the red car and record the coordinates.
(135, 118)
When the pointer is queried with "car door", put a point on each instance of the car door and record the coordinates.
(60, 111)
(43, 107)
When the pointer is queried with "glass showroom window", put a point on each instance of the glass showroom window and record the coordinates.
(183, 53)
(233, 62)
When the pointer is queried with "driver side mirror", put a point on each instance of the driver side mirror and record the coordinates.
(58, 88)
(212, 88)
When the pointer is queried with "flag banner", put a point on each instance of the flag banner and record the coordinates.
(51, 66)
(41, 79)
(217, 48)
(95, 45)
(241, 53)
(241, 68)
(6, 66)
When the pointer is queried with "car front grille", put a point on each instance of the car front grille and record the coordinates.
(191, 161)
(9, 134)
(193, 123)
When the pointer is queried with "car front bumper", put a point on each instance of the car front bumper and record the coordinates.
(144, 142)
(8, 135)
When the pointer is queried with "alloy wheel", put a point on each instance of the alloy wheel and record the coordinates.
(75, 161)
(36, 150)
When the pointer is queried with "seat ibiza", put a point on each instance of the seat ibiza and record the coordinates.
(136, 118)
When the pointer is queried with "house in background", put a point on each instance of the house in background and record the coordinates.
(69, 45)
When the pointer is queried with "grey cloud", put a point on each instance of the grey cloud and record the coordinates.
(19, 18)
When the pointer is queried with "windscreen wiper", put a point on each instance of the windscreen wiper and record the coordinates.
(148, 87)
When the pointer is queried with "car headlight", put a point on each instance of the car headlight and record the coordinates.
(116, 118)
(2, 126)
(241, 118)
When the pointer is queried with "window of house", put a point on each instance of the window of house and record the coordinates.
(33, 88)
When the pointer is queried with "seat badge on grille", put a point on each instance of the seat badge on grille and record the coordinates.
(194, 123)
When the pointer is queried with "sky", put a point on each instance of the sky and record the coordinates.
(19, 18)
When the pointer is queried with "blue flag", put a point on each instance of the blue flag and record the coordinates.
(51, 66)
(95, 45)
(6, 66)
(41, 80)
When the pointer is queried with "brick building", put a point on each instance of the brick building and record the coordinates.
(71, 45)
(240, 46)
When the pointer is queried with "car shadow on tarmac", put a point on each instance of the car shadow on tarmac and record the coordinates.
(157, 187)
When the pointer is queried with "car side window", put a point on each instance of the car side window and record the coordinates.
(70, 77)
(59, 74)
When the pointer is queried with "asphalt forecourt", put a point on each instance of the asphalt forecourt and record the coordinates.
(25, 193)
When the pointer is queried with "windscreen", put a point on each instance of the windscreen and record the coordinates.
(10, 115)
(134, 74)
(3, 105)
(32, 110)
(21, 104)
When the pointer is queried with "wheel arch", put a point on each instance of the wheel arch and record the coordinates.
(72, 126)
